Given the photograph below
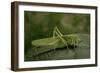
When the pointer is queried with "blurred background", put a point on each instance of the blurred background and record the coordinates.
(40, 25)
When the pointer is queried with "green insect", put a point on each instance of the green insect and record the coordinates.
(58, 40)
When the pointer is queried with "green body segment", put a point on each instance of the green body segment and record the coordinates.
(70, 40)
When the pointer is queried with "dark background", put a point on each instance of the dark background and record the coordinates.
(41, 24)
